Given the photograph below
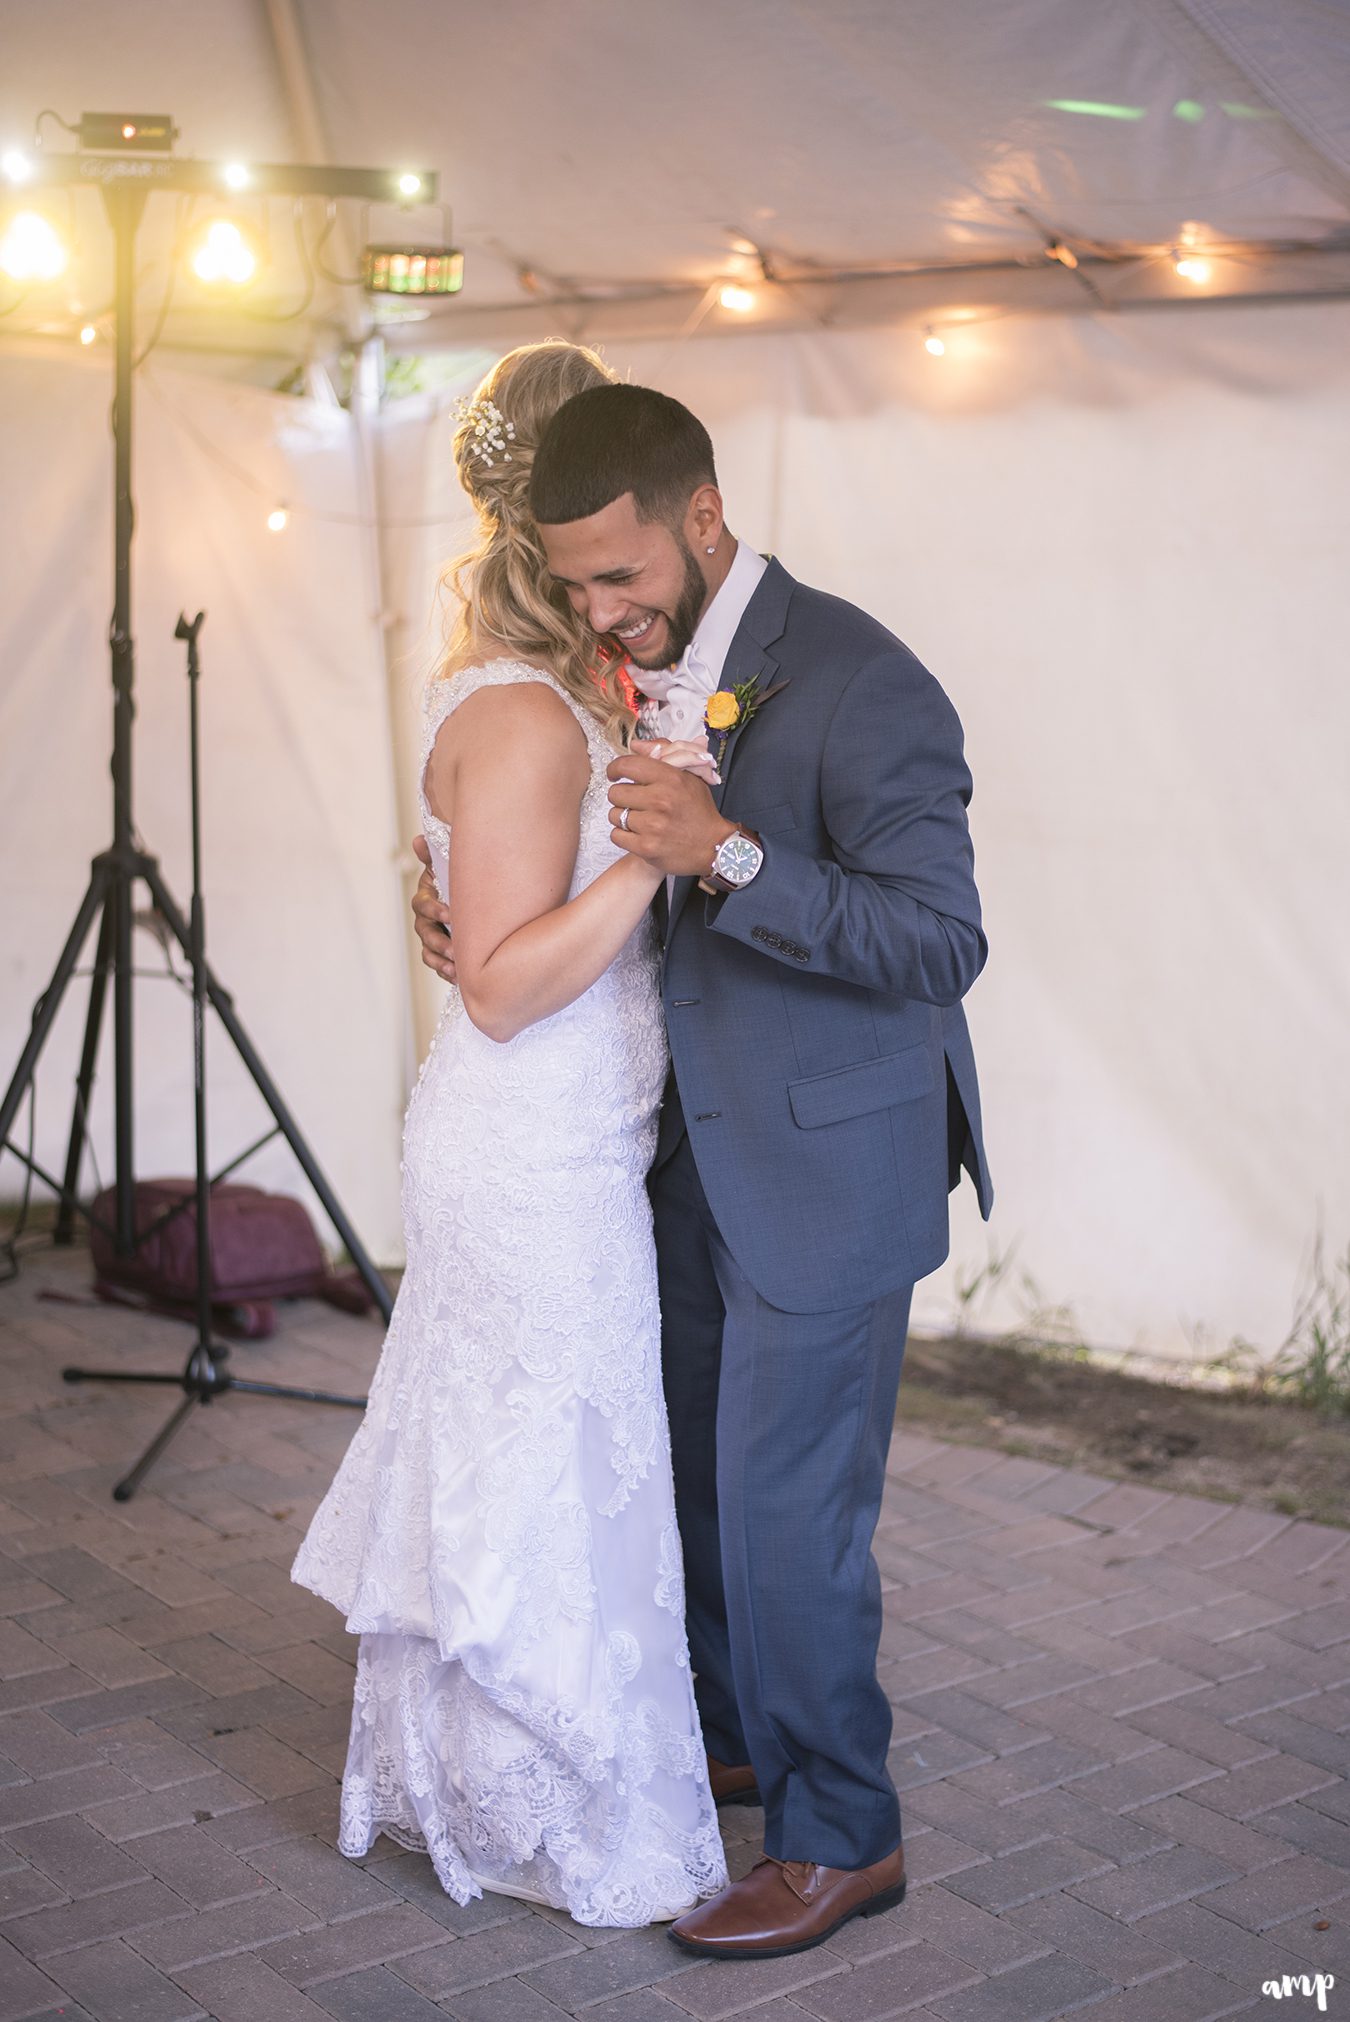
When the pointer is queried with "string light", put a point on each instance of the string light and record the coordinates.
(237, 176)
(31, 250)
(932, 343)
(736, 298)
(224, 255)
(1192, 268)
(276, 519)
(89, 335)
(1064, 254)
(409, 185)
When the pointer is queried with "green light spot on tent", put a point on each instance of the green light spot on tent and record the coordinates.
(1091, 108)
(1249, 111)
(1189, 109)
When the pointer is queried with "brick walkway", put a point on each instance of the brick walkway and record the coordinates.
(1122, 1731)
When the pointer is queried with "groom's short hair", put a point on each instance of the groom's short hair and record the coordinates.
(616, 439)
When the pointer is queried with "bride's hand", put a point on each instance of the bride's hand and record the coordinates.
(686, 754)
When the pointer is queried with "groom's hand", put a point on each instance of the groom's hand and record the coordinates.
(431, 919)
(673, 823)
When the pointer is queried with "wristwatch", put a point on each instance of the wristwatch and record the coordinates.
(735, 861)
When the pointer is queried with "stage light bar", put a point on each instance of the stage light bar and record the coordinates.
(131, 132)
(412, 270)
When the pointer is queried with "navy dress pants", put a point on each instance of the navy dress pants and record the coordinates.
(780, 1425)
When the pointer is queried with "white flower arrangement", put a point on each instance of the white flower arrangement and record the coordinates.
(491, 429)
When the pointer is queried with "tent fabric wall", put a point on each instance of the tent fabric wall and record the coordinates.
(304, 916)
(1118, 543)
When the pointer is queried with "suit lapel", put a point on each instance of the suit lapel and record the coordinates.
(754, 665)
(747, 659)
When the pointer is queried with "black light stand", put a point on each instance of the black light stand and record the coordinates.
(126, 181)
(204, 1375)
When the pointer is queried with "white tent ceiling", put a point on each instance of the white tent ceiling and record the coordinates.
(1114, 537)
(611, 151)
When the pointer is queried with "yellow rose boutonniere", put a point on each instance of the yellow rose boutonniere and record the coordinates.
(729, 708)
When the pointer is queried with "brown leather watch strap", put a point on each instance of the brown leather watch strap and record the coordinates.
(717, 887)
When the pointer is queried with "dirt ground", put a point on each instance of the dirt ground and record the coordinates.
(1048, 1406)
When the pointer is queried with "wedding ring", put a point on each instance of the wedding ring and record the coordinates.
(623, 817)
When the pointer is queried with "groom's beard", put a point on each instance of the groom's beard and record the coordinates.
(682, 622)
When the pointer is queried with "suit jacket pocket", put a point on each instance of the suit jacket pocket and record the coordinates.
(767, 820)
(857, 1091)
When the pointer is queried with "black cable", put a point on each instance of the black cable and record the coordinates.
(290, 315)
(338, 280)
(48, 113)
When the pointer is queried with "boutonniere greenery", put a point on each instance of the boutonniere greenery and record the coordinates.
(732, 708)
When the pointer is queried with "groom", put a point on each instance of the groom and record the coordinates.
(821, 928)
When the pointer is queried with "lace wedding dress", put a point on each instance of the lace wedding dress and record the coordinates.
(501, 1534)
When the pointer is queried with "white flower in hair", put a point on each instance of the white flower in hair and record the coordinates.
(491, 429)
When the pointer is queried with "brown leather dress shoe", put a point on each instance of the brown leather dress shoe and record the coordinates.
(788, 1906)
(732, 1784)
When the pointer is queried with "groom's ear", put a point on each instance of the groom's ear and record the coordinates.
(703, 521)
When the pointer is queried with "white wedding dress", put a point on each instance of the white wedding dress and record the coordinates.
(501, 1534)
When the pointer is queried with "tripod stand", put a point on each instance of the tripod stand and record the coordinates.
(204, 1376)
(116, 872)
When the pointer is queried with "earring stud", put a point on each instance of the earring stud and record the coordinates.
(713, 550)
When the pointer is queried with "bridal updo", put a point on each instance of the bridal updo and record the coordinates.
(506, 597)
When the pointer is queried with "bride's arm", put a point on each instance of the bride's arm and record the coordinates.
(512, 765)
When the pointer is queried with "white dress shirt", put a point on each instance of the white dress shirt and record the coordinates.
(678, 696)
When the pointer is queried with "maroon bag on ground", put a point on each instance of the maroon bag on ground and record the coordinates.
(263, 1247)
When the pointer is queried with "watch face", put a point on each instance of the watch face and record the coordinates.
(738, 859)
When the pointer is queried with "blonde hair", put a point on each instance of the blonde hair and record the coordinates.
(505, 592)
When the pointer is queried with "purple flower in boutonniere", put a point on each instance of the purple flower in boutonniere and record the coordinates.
(731, 708)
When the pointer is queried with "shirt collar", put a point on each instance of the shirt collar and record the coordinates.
(699, 670)
(707, 650)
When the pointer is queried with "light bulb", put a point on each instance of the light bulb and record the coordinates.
(276, 519)
(237, 176)
(1192, 268)
(89, 335)
(17, 167)
(409, 185)
(934, 345)
(31, 250)
(740, 300)
(224, 255)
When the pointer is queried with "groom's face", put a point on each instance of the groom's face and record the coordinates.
(637, 582)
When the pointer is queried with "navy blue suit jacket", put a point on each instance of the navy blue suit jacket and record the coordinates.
(820, 1052)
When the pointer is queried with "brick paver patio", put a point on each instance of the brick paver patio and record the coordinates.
(1122, 1731)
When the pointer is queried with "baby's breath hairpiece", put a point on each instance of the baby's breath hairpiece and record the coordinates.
(491, 429)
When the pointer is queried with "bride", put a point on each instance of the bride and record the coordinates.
(501, 1534)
